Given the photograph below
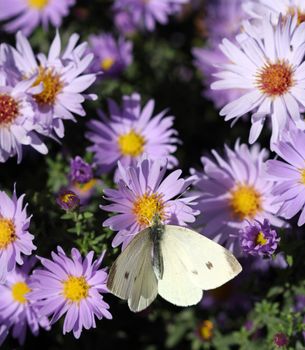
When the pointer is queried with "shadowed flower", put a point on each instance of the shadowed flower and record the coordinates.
(16, 311)
(67, 200)
(289, 176)
(223, 19)
(232, 192)
(80, 171)
(270, 70)
(26, 15)
(111, 56)
(71, 286)
(131, 132)
(61, 74)
(15, 238)
(143, 193)
(145, 14)
(259, 239)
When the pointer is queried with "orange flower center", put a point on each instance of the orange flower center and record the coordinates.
(275, 79)
(8, 109)
(51, 86)
(146, 207)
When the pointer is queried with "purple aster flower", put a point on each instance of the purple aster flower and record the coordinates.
(131, 132)
(145, 14)
(299, 303)
(111, 56)
(223, 19)
(15, 238)
(289, 175)
(143, 193)
(80, 171)
(232, 192)
(259, 239)
(269, 68)
(61, 74)
(17, 312)
(71, 286)
(124, 22)
(26, 15)
(18, 121)
(67, 200)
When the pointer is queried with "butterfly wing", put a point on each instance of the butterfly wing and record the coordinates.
(207, 264)
(131, 276)
(176, 285)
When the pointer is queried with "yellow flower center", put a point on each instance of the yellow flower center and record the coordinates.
(83, 188)
(260, 239)
(51, 86)
(245, 202)
(8, 109)
(131, 144)
(38, 4)
(275, 79)
(75, 289)
(7, 233)
(148, 206)
(107, 63)
(302, 180)
(206, 330)
(19, 290)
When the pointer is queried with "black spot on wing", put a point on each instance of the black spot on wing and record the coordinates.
(209, 265)
(195, 272)
(126, 275)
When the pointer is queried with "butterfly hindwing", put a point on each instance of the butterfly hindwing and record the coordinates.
(209, 264)
(131, 276)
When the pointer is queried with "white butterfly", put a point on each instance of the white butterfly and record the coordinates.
(172, 261)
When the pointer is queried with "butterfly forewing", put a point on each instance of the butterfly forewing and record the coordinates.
(176, 285)
(131, 276)
(208, 264)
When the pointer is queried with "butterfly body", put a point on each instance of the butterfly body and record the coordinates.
(172, 261)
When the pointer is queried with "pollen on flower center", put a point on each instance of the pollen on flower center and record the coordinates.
(146, 207)
(8, 109)
(260, 239)
(38, 4)
(85, 187)
(19, 290)
(7, 233)
(245, 202)
(293, 11)
(51, 86)
(275, 79)
(107, 63)
(131, 144)
(75, 289)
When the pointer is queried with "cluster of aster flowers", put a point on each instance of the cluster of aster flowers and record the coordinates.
(240, 199)
(71, 286)
(38, 92)
(138, 14)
